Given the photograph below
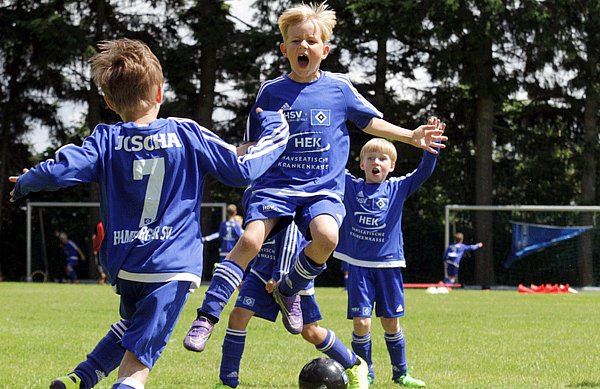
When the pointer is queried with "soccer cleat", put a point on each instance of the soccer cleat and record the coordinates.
(409, 382)
(291, 312)
(371, 376)
(358, 375)
(70, 381)
(198, 335)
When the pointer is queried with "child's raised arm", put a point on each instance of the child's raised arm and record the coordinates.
(427, 137)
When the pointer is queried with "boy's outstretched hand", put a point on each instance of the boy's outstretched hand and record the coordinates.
(14, 179)
(430, 136)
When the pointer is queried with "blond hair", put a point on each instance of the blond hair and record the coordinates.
(379, 145)
(231, 210)
(318, 13)
(459, 237)
(128, 74)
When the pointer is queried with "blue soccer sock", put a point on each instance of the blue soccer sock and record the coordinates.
(333, 347)
(104, 358)
(362, 346)
(226, 279)
(396, 346)
(233, 348)
(304, 271)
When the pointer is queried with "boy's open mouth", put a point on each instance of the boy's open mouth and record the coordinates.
(303, 60)
(375, 170)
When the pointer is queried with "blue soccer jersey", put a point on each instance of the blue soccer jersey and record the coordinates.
(151, 179)
(70, 249)
(314, 160)
(229, 233)
(371, 234)
(456, 251)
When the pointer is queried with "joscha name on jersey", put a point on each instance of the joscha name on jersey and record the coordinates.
(148, 143)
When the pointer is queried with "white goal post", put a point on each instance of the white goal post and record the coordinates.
(33, 204)
(533, 208)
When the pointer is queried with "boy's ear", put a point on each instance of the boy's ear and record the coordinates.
(326, 50)
(107, 101)
(283, 49)
(159, 95)
(392, 166)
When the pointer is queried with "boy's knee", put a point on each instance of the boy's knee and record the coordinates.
(250, 241)
(326, 239)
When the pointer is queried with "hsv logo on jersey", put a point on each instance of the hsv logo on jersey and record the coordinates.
(320, 117)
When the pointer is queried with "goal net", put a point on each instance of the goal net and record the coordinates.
(567, 253)
(45, 259)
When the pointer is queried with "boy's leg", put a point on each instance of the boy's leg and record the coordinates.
(133, 374)
(105, 358)
(253, 299)
(233, 346)
(324, 230)
(228, 276)
(152, 310)
(361, 299)
(328, 343)
(396, 345)
(361, 342)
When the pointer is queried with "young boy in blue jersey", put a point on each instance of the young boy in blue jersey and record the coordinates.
(371, 243)
(454, 254)
(255, 299)
(306, 183)
(151, 174)
(72, 254)
(229, 233)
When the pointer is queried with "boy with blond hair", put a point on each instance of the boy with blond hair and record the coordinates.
(151, 175)
(371, 243)
(306, 184)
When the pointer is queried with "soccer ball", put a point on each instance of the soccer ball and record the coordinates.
(323, 373)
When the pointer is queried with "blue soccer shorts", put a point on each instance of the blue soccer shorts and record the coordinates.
(152, 310)
(452, 269)
(254, 297)
(381, 289)
(267, 204)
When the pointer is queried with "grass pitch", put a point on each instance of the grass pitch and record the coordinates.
(467, 339)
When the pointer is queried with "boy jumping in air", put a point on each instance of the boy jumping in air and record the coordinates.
(306, 184)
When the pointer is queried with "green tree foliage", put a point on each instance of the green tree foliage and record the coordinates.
(516, 82)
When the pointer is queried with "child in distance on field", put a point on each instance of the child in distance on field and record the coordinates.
(229, 233)
(151, 175)
(72, 254)
(306, 183)
(371, 243)
(273, 261)
(454, 254)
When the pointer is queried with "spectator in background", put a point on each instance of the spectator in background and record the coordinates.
(97, 238)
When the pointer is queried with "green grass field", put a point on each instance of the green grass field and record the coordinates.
(467, 339)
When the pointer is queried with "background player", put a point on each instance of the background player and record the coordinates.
(371, 242)
(151, 175)
(72, 254)
(306, 183)
(229, 233)
(454, 254)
